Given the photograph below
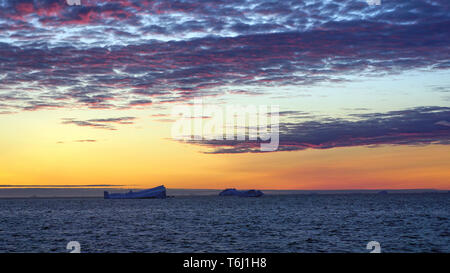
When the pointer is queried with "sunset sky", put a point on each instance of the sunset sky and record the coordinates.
(87, 92)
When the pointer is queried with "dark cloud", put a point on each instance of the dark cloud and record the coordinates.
(121, 120)
(417, 126)
(140, 102)
(106, 124)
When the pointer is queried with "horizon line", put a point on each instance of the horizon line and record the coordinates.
(107, 186)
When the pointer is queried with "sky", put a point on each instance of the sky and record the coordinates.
(87, 92)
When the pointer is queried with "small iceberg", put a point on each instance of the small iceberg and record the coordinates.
(382, 192)
(158, 192)
(234, 192)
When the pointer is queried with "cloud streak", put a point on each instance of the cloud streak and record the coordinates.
(100, 123)
(416, 126)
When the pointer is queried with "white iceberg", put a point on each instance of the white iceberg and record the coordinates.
(158, 192)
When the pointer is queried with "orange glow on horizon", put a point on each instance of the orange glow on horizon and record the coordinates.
(142, 156)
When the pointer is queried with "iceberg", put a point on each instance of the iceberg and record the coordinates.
(234, 192)
(157, 192)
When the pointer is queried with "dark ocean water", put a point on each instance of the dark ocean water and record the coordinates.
(283, 223)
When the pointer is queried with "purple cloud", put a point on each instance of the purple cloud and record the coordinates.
(416, 126)
(100, 123)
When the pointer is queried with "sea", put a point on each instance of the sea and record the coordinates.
(273, 223)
